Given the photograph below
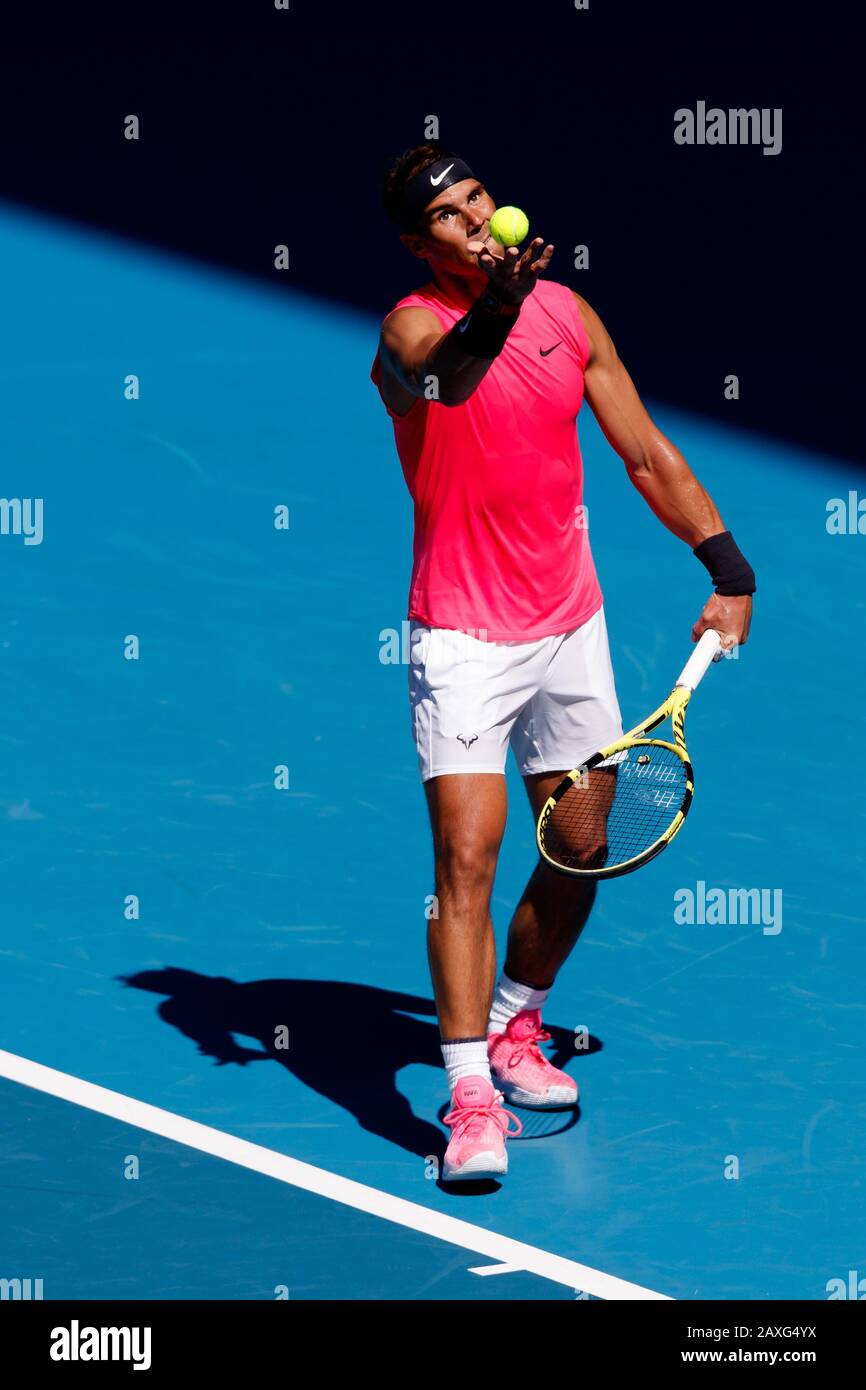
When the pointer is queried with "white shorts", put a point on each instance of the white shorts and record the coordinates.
(553, 700)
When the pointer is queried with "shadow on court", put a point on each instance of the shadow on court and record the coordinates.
(347, 1042)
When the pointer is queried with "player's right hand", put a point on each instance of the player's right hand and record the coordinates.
(730, 616)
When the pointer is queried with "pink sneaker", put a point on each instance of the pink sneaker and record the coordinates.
(479, 1126)
(520, 1069)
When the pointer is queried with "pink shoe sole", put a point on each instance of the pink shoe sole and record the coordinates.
(476, 1168)
(554, 1098)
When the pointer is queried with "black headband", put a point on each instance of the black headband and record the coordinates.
(422, 188)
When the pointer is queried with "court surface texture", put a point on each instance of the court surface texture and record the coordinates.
(149, 1147)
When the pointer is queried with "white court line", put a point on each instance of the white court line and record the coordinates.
(318, 1180)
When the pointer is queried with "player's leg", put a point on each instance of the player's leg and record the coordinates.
(552, 911)
(574, 713)
(547, 922)
(465, 696)
(467, 820)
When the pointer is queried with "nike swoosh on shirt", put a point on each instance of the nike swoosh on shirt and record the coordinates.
(545, 352)
(436, 182)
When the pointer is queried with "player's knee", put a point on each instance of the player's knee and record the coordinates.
(593, 853)
(586, 851)
(466, 866)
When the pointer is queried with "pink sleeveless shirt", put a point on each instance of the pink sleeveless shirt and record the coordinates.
(501, 548)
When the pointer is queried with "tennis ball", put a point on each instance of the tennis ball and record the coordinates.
(509, 226)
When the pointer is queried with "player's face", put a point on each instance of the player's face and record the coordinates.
(455, 217)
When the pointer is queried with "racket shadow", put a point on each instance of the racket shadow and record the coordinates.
(541, 1124)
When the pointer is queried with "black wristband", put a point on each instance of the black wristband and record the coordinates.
(483, 331)
(728, 567)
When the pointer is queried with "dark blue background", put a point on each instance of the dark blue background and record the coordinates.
(261, 126)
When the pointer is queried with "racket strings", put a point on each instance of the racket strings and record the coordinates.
(613, 814)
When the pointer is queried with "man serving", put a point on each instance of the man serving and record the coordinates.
(483, 372)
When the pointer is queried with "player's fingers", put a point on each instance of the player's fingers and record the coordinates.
(488, 251)
(500, 264)
(531, 252)
(705, 625)
(489, 263)
(543, 261)
(533, 256)
(510, 262)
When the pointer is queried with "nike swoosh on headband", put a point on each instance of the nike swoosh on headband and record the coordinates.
(436, 182)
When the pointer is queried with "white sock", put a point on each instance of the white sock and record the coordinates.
(466, 1057)
(510, 999)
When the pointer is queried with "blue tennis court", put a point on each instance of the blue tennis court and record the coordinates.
(215, 835)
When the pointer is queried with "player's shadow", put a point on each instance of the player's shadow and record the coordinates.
(346, 1041)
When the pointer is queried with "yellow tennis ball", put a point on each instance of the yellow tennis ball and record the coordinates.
(509, 226)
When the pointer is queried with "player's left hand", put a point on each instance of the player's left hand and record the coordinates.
(731, 618)
(512, 276)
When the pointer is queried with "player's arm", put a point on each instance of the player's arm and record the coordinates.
(664, 479)
(421, 359)
(655, 466)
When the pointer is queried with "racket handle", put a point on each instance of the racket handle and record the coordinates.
(705, 652)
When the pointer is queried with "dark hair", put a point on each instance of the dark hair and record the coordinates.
(410, 163)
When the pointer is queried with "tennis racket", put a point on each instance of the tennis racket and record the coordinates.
(628, 801)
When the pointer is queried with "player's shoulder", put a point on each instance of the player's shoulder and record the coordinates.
(424, 297)
(585, 308)
(560, 300)
(554, 292)
(421, 311)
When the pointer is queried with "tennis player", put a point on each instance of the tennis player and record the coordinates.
(483, 372)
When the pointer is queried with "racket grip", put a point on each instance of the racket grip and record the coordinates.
(705, 652)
